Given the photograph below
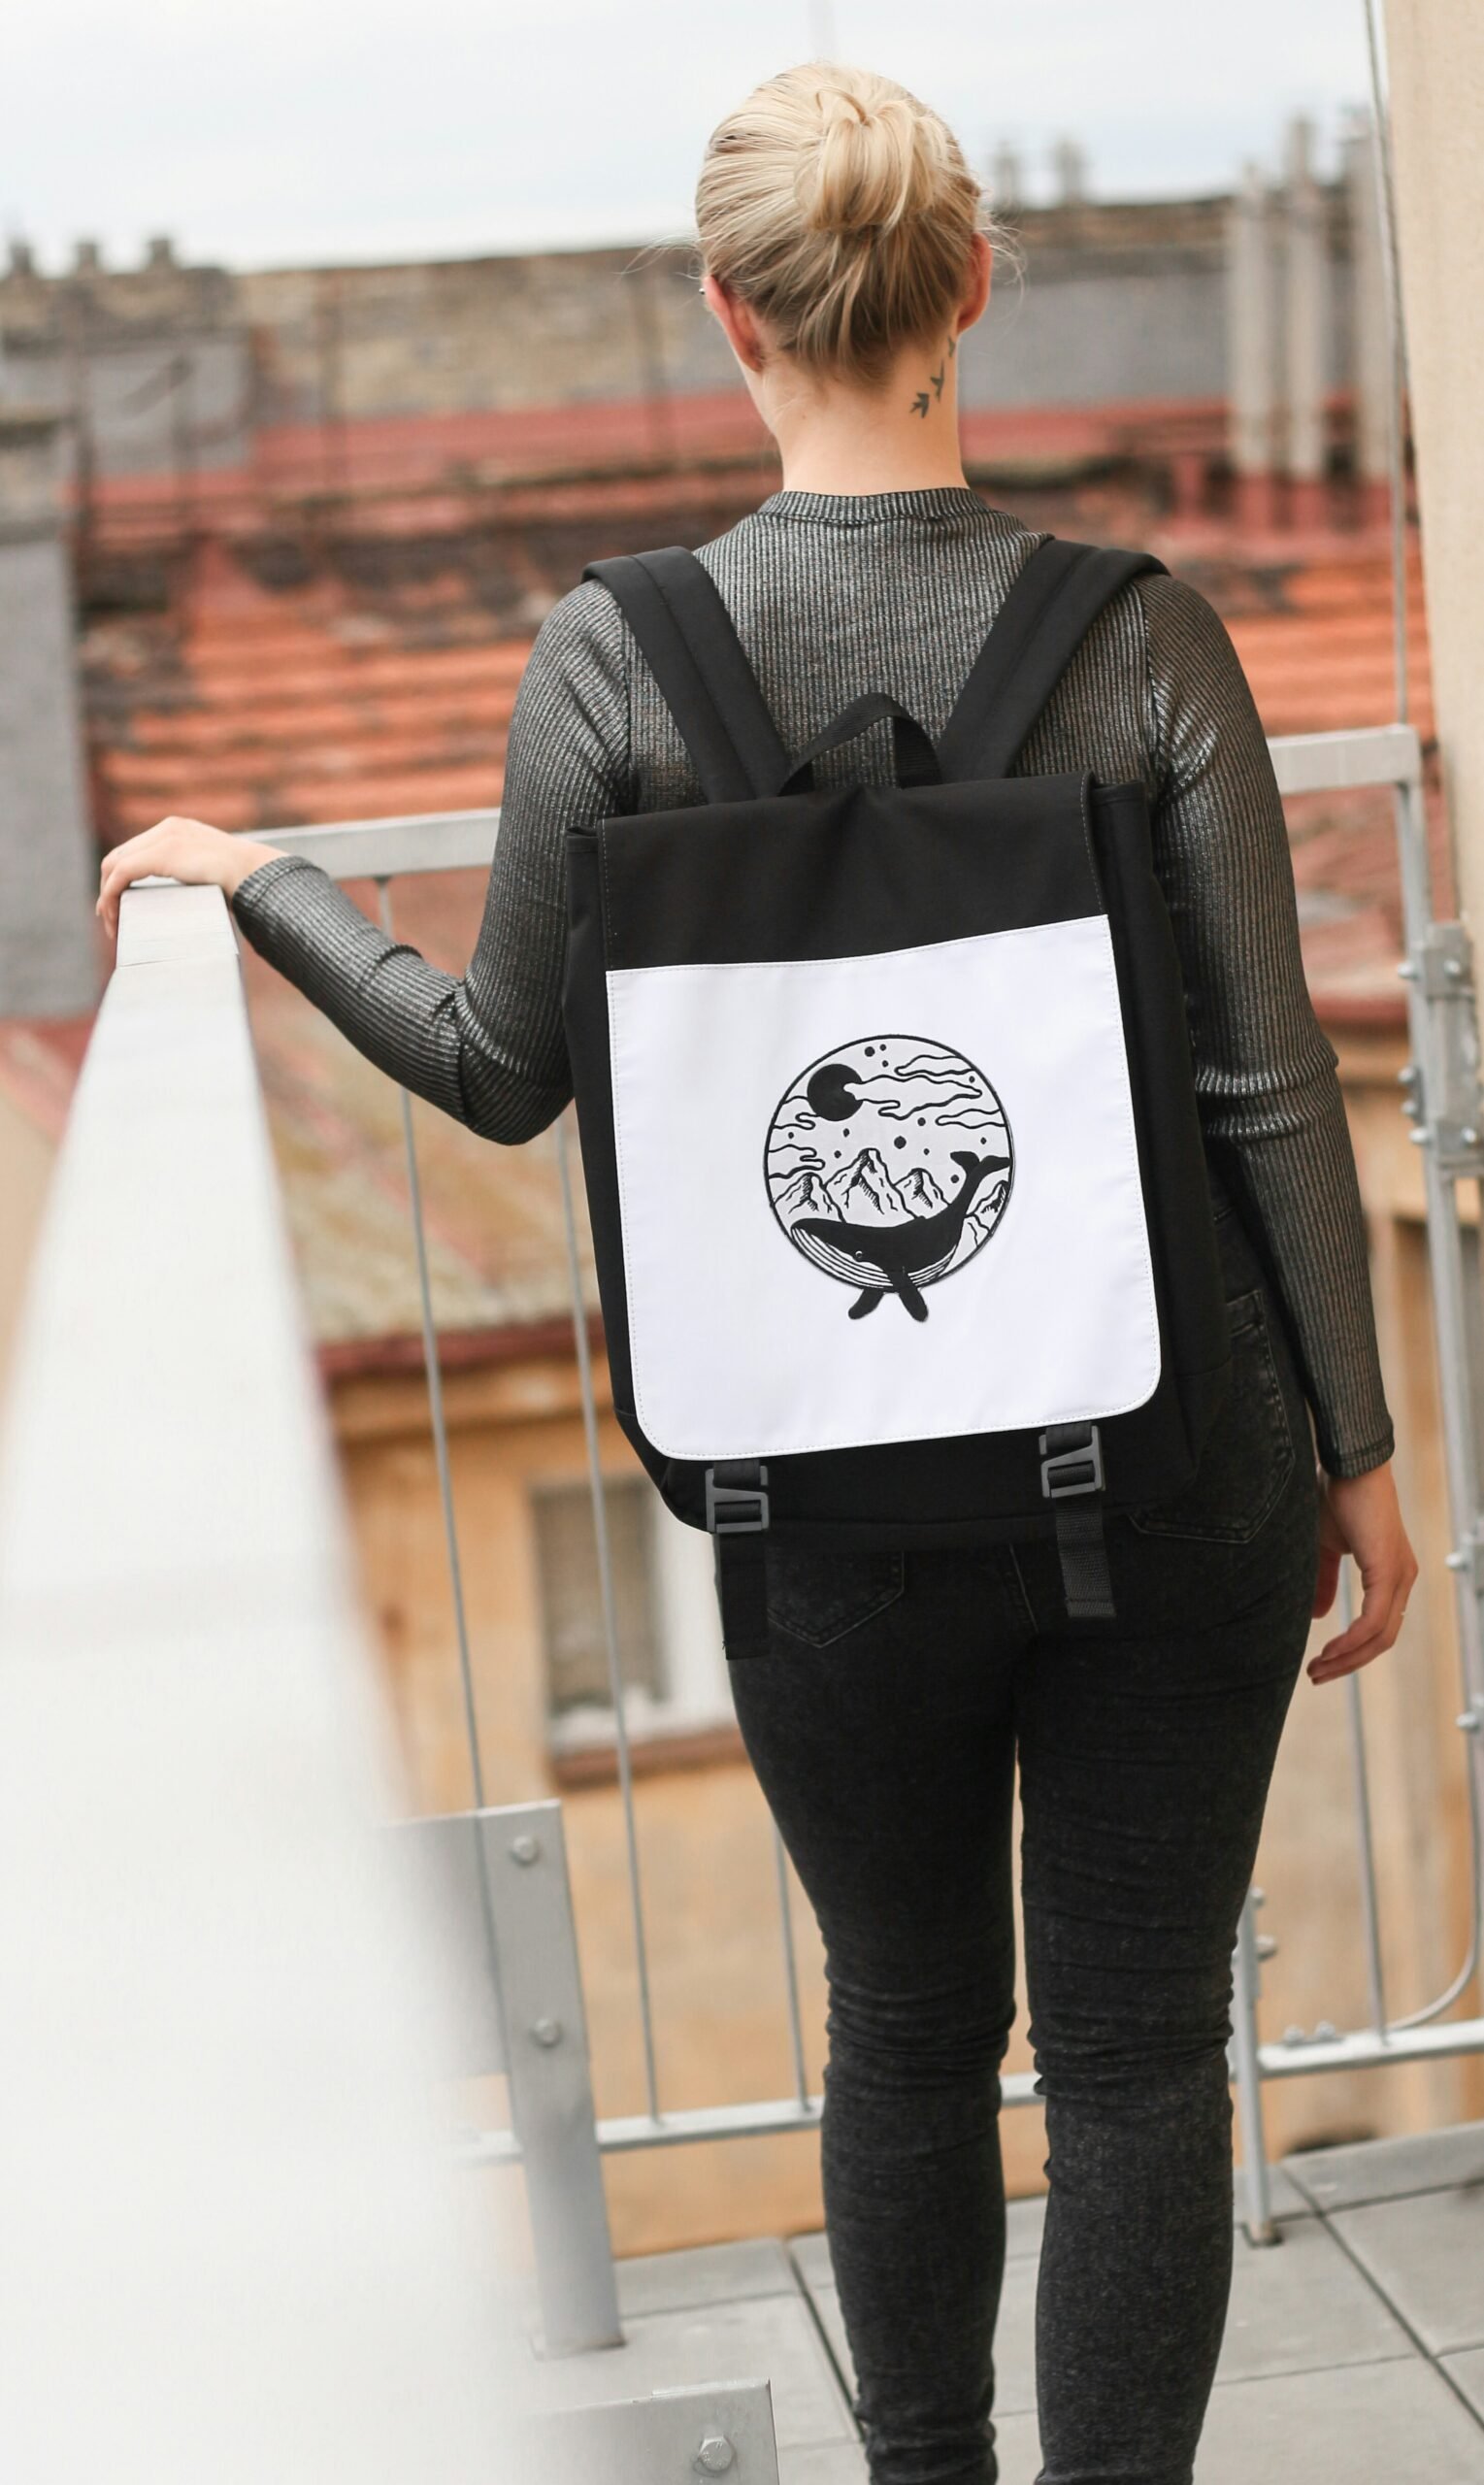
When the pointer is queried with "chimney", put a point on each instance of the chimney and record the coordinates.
(1006, 176)
(1305, 330)
(160, 251)
(22, 258)
(1068, 167)
(1251, 359)
(88, 259)
(1370, 326)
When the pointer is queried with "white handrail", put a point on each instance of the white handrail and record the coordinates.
(230, 2247)
(465, 841)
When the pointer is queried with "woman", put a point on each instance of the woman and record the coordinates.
(844, 257)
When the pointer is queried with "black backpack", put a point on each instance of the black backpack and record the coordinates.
(834, 1048)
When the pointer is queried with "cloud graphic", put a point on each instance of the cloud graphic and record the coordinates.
(795, 1115)
(897, 1096)
(928, 1065)
(792, 1158)
(976, 1117)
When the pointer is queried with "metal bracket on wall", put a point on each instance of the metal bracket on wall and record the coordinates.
(673, 2438)
(502, 1889)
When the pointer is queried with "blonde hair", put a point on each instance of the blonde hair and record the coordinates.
(842, 211)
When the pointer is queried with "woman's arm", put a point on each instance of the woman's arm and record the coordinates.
(488, 1047)
(1270, 1103)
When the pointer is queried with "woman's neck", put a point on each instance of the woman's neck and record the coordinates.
(899, 435)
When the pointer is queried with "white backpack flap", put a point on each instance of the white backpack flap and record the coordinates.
(882, 1198)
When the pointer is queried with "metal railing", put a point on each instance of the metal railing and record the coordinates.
(1444, 1078)
(176, 1552)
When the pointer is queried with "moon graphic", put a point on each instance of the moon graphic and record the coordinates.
(889, 1164)
(828, 1095)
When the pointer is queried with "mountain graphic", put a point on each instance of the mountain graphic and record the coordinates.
(919, 1194)
(986, 1209)
(864, 1192)
(805, 1196)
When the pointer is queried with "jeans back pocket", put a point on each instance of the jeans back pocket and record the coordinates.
(818, 1595)
(1249, 1452)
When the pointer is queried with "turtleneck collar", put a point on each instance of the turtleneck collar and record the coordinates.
(936, 503)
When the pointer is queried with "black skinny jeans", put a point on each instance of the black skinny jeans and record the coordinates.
(884, 1724)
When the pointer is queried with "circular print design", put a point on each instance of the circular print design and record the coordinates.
(889, 1164)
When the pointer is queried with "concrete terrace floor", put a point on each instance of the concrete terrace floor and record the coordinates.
(1354, 2347)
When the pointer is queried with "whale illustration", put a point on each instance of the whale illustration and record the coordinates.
(908, 1251)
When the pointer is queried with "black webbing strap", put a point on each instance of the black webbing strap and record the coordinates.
(736, 1516)
(1037, 630)
(691, 647)
(913, 753)
(1072, 1480)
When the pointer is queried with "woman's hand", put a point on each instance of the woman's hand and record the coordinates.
(177, 849)
(1361, 1516)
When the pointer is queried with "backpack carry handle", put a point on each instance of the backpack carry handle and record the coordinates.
(915, 758)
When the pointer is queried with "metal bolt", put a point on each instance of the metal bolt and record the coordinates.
(1295, 2036)
(1455, 1561)
(547, 2032)
(1453, 967)
(1325, 2031)
(525, 1848)
(1409, 1076)
(1469, 1135)
(1471, 1722)
(716, 2455)
(1259, 1898)
(1408, 972)
(1419, 1138)
(1266, 1946)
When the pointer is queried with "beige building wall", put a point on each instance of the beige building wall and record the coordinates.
(26, 1159)
(1436, 52)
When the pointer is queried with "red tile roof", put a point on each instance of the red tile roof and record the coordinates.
(265, 707)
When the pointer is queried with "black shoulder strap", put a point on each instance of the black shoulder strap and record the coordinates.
(1037, 630)
(688, 641)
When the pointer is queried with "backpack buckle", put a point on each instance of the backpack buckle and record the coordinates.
(737, 1509)
(1071, 1461)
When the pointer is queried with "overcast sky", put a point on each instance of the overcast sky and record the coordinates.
(266, 132)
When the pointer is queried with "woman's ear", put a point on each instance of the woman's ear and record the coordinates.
(738, 323)
(976, 295)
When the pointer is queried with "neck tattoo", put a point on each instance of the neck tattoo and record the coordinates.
(922, 404)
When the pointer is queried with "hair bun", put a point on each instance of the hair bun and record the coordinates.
(865, 171)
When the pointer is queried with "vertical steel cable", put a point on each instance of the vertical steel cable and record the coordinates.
(1395, 354)
(790, 1966)
(1370, 1910)
(610, 1603)
(436, 1410)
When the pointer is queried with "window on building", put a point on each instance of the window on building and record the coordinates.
(572, 1599)
(677, 1699)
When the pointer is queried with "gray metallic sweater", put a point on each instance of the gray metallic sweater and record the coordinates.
(895, 592)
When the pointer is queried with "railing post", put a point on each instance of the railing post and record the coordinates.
(551, 2098)
(1249, 2079)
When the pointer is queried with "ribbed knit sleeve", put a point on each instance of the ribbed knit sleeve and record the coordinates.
(1272, 1109)
(486, 1046)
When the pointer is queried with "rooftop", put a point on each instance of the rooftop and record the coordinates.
(1354, 2347)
